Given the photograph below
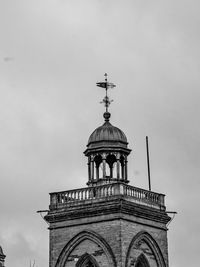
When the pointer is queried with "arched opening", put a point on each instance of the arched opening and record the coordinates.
(142, 261)
(122, 163)
(143, 247)
(98, 162)
(110, 160)
(86, 241)
(107, 166)
(86, 261)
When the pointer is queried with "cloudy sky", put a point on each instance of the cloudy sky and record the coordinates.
(52, 52)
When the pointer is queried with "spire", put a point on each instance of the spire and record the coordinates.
(106, 100)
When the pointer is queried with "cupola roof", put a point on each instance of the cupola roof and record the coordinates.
(107, 133)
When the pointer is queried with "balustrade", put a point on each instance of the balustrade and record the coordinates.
(134, 194)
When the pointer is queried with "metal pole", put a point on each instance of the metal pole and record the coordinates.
(148, 165)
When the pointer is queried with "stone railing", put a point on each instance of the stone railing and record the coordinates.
(133, 194)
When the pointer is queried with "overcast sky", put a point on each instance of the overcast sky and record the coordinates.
(52, 52)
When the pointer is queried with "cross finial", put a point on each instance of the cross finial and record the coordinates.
(106, 101)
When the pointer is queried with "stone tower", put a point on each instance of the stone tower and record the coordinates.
(109, 223)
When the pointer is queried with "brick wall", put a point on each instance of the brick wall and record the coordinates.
(117, 233)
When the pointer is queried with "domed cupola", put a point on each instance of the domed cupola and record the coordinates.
(107, 150)
(107, 135)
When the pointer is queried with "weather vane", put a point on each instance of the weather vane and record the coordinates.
(106, 101)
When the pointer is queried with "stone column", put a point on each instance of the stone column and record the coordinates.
(126, 170)
(118, 166)
(122, 171)
(92, 169)
(111, 171)
(89, 170)
(97, 172)
(104, 165)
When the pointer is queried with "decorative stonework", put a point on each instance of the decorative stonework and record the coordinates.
(88, 244)
(86, 260)
(143, 248)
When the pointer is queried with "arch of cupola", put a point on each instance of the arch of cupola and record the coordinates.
(144, 251)
(108, 165)
(97, 248)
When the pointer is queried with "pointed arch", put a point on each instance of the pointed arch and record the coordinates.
(87, 260)
(142, 261)
(150, 241)
(76, 240)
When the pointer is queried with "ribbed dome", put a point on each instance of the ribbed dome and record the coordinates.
(107, 132)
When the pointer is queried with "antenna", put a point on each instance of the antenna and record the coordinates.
(148, 164)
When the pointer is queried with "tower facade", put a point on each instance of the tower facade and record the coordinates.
(109, 222)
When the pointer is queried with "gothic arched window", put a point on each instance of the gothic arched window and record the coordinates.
(88, 264)
(86, 261)
(142, 261)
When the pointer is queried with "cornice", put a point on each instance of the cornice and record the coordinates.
(115, 206)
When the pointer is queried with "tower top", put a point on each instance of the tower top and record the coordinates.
(107, 149)
(106, 100)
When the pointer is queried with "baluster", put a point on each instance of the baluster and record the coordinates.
(102, 191)
(58, 199)
(64, 197)
(97, 192)
(86, 194)
(91, 193)
(131, 192)
(113, 189)
(81, 194)
(107, 191)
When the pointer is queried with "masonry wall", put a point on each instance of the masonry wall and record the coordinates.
(109, 230)
(118, 233)
(130, 229)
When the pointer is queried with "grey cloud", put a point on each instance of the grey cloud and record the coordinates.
(49, 105)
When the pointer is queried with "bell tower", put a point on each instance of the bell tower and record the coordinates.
(109, 222)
